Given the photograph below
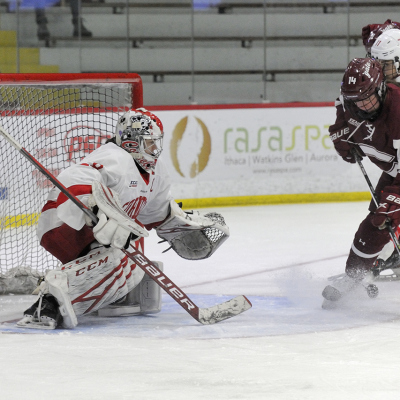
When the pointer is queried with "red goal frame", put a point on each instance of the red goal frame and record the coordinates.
(133, 78)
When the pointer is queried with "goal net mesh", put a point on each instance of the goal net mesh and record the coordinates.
(59, 123)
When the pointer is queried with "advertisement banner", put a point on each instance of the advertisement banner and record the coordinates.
(256, 152)
(224, 153)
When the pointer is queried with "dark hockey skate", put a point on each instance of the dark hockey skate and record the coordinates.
(44, 314)
(341, 286)
(380, 265)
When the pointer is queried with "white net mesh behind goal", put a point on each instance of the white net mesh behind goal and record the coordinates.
(59, 123)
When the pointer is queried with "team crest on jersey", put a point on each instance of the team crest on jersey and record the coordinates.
(133, 184)
(371, 131)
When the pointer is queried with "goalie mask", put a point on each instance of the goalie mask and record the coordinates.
(140, 133)
(363, 88)
(386, 50)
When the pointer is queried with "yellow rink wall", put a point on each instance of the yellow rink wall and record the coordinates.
(31, 219)
(274, 199)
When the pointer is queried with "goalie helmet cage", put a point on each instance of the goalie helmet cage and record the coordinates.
(59, 119)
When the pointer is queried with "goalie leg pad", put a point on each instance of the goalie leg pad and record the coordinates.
(100, 278)
(148, 294)
(145, 298)
(56, 284)
(86, 284)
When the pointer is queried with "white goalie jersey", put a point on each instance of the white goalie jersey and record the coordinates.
(144, 197)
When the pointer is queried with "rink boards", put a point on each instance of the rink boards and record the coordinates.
(233, 155)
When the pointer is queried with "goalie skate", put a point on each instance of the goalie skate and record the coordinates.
(53, 307)
(44, 314)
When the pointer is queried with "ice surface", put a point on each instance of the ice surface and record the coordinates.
(285, 347)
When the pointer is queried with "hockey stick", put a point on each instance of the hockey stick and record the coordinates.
(205, 316)
(375, 198)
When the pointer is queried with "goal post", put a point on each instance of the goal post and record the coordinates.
(59, 119)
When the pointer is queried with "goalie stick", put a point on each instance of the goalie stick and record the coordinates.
(205, 316)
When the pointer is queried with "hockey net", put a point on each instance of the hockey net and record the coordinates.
(59, 119)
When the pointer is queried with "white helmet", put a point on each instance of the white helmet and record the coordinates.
(387, 48)
(140, 133)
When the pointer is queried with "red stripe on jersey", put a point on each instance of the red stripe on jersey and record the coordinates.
(49, 205)
(93, 165)
(76, 190)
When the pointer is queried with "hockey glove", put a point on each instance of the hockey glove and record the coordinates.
(192, 235)
(389, 208)
(109, 233)
(346, 151)
(114, 227)
(344, 148)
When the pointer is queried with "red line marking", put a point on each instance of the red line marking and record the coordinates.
(264, 271)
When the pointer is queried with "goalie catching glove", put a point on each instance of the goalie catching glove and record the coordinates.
(114, 227)
(192, 235)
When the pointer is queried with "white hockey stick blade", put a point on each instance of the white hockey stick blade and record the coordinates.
(220, 312)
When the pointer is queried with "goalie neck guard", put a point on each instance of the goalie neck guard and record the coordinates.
(140, 133)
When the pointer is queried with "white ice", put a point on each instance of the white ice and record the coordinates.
(285, 347)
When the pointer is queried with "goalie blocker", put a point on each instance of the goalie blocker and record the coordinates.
(191, 235)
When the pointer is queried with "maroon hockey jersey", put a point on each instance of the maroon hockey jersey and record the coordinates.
(379, 139)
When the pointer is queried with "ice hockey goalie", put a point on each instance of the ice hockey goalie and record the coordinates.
(126, 184)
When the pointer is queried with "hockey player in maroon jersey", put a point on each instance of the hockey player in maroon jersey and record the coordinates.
(371, 32)
(387, 51)
(368, 121)
(96, 275)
